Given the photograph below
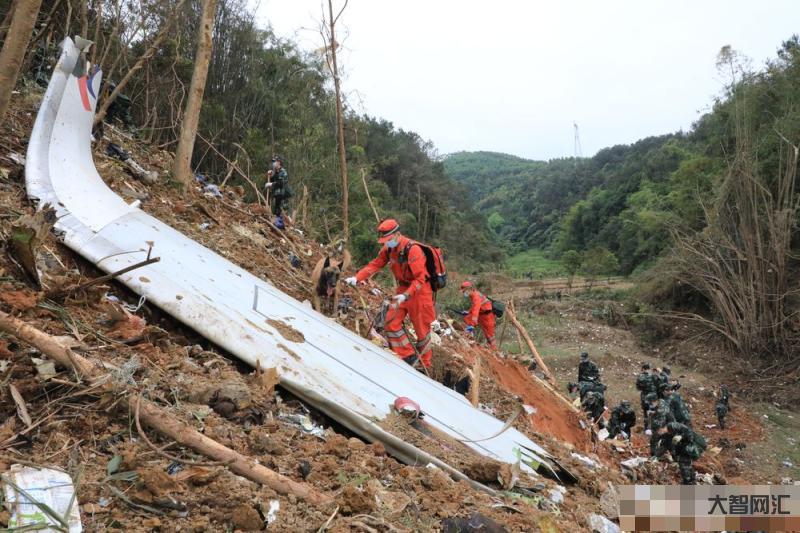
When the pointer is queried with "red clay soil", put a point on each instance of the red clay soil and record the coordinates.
(553, 416)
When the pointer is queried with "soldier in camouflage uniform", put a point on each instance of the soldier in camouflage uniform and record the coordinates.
(678, 407)
(687, 446)
(587, 370)
(660, 416)
(722, 406)
(662, 381)
(594, 403)
(278, 181)
(645, 384)
(623, 418)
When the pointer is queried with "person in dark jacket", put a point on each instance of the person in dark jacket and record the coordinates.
(278, 187)
(623, 418)
(646, 382)
(587, 370)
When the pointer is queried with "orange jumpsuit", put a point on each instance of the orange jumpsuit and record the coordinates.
(412, 280)
(480, 314)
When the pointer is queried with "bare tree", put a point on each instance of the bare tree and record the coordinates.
(7, 19)
(334, 68)
(740, 261)
(14, 47)
(152, 49)
(191, 117)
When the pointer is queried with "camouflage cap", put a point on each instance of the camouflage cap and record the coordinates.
(651, 397)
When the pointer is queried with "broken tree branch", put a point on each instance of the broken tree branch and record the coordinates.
(158, 418)
(61, 293)
(546, 371)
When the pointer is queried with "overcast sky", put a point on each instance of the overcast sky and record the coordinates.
(512, 76)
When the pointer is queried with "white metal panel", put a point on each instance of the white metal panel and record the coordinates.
(221, 301)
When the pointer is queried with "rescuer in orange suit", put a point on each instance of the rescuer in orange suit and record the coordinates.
(480, 312)
(414, 295)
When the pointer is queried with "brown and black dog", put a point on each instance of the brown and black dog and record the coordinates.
(325, 280)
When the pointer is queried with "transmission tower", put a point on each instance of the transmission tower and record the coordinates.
(578, 152)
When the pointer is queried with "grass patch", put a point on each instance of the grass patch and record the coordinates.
(536, 262)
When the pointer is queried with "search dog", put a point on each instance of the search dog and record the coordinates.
(325, 280)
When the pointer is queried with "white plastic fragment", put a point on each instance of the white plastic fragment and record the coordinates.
(601, 524)
(602, 434)
(272, 513)
(634, 462)
(585, 460)
(44, 486)
(556, 494)
(529, 409)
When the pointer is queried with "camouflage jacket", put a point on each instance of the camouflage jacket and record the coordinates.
(691, 444)
(588, 371)
(679, 410)
(646, 382)
(281, 188)
(623, 418)
(661, 415)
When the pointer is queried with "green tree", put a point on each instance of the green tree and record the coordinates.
(572, 261)
(599, 261)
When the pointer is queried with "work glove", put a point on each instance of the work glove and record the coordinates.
(352, 281)
(268, 185)
(676, 439)
(648, 432)
(397, 300)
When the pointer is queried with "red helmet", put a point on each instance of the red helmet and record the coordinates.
(466, 285)
(387, 229)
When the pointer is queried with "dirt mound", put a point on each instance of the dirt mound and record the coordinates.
(552, 414)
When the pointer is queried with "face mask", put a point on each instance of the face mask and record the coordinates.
(392, 243)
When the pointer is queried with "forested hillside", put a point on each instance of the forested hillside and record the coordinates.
(264, 96)
(630, 198)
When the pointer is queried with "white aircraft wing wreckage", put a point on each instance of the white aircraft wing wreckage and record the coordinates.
(346, 377)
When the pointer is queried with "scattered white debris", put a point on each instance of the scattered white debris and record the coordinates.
(705, 479)
(634, 462)
(272, 514)
(710, 426)
(556, 495)
(305, 423)
(601, 524)
(46, 488)
(45, 368)
(787, 463)
(602, 434)
(529, 409)
(16, 158)
(585, 460)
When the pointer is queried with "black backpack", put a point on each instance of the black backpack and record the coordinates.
(434, 264)
(498, 308)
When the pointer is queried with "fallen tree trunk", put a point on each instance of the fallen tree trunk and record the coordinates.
(158, 418)
(543, 367)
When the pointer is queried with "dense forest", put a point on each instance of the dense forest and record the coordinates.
(263, 96)
(631, 199)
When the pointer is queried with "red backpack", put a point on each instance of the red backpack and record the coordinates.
(434, 264)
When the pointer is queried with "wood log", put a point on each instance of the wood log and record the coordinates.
(158, 418)
(474, 382)
(543, 367)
